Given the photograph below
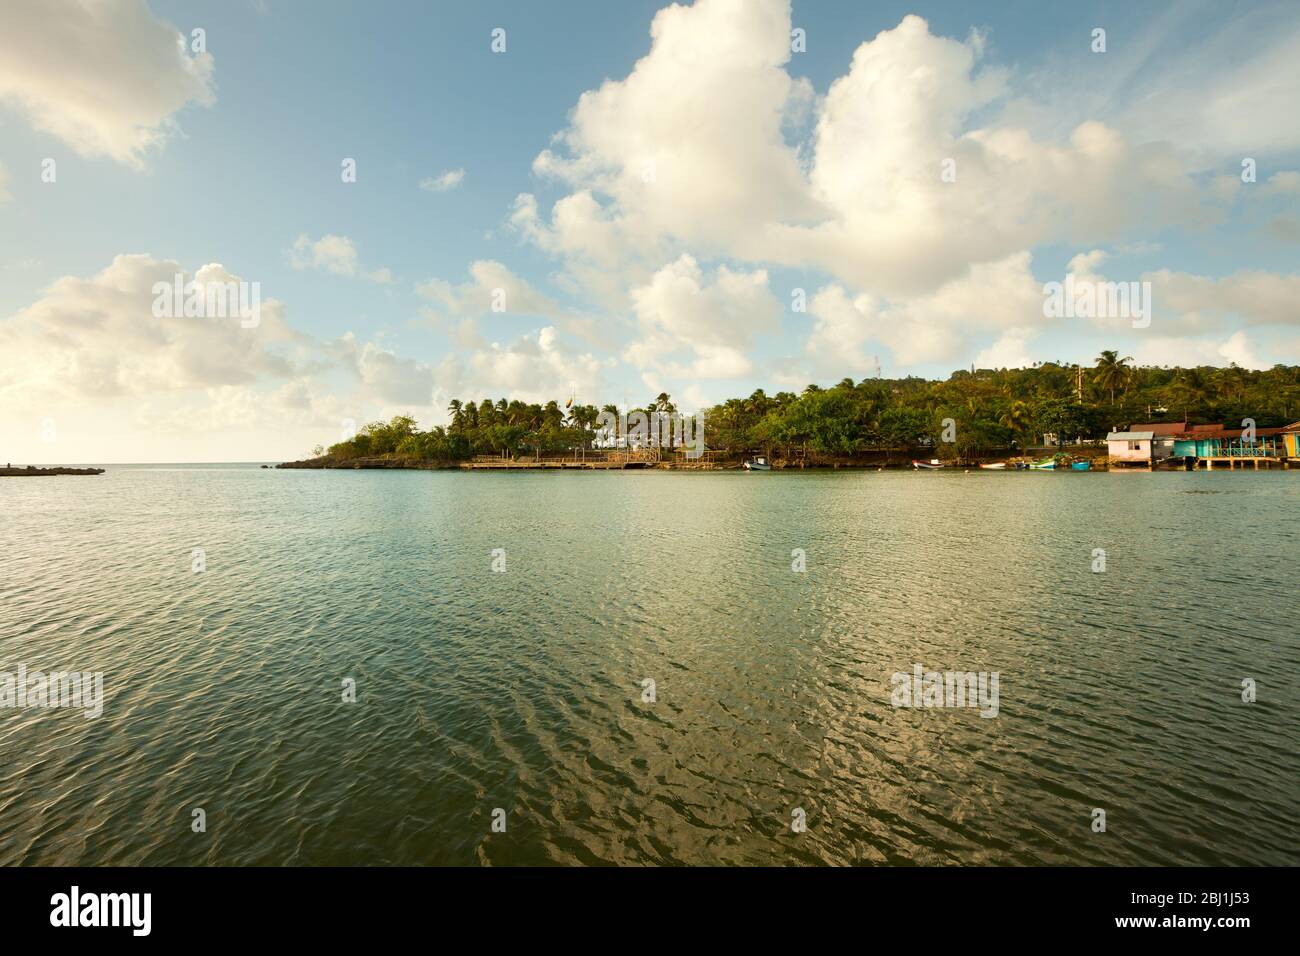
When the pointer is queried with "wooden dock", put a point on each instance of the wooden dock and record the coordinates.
(585, 461)
(1240, 461)
(565, 463)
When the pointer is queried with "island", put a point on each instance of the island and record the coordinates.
(9, 471)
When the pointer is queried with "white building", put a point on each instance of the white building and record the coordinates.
(1130, 446)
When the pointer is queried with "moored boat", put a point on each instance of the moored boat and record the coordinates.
(934, 464)
(994, 466)
(757, 463)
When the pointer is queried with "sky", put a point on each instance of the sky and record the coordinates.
(609, 201)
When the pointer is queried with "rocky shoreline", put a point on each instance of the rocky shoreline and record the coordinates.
(33, 471)
(357, 463)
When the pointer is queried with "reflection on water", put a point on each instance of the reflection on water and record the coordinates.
(523, 691)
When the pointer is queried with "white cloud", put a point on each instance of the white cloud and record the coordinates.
(336, 254)
(492, 288)
(1001, 297)
(692, 327)
(1200, 302)
(702, 162)
(98, 338)
(104, 77)
(443, 183)
(537, 367)
(659, 166)
(392, 378)
(91, 354)
(1196, 304)
(1189, 352)
(1281, 184)
(490, 284)
(1011, 350)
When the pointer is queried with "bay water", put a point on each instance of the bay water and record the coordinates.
(631, 668)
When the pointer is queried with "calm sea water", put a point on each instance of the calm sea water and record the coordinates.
(523, 690)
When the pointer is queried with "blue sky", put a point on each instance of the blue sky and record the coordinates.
(688, 290)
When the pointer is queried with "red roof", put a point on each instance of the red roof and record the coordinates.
(1160, 429)
(1221, 431)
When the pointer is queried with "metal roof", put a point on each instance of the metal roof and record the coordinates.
(1161, 428)
(1206, 433)
(1130, 436)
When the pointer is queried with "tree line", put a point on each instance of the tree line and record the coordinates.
(979, 410)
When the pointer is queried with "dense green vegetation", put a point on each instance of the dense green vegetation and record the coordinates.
(989, 409)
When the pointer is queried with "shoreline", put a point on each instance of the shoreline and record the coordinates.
(31, 471)
(1099, 464)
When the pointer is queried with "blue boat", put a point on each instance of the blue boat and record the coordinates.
(1079, 466)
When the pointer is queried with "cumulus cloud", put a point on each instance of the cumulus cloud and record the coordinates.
(689, 324)
(1011, 350)
(1201, 302)
(394, 379)
(336, 254)
(491, 288)
(92, 352)
(1237, 348)
(104, 77)
(98, 338)
(659, 166)
(999, 297)
(536, 367)
(1185, 303)
(443, 183)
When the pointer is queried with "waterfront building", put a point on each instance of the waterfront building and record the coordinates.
(1129, 448)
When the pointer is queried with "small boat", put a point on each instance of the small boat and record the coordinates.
(934, 464)
(1047, 464)
(994, 466)
(757, 463)
(1079, 466)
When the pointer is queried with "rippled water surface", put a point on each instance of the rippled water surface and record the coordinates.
(523, 690)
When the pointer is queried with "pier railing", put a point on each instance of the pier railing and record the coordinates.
(1261, 449)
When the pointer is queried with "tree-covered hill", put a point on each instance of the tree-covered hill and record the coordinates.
(988, 409)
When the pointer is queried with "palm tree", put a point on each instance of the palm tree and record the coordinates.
(1018, 417)
(1112, 371)
(1186, 391)
(659, 408)
(1230, 381)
